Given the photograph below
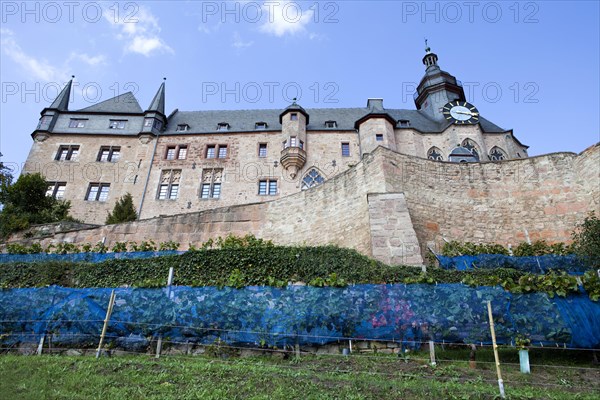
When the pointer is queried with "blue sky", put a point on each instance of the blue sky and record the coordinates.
(529, 66)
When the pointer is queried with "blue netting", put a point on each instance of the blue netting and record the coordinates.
(536, 264)
(86, 257)
(296, 314)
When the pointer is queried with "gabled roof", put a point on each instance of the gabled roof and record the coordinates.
(122, 104)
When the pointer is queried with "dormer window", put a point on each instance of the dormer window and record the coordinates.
(117, 124)
(294, 117)
(330, 124)
(403, 123)
(260, 126)
(183, 127)
(223, 126)
(77, 123)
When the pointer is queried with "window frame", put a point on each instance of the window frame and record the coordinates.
(260, 126)
(169, 186)
(379, 137)
(99, 192)
(111, 151)
(331, 124)
(54, 189)
(177, 150)
(293, 116)
(223, 126)
(211, 185)
(265, 147)
(268, 185)
(116, 124)
(77, 121)
(216, 151)
(70, 149)
(346, 145)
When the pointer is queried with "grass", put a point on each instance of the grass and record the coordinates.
(370, 376)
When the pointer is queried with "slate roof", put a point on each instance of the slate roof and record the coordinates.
(122, 104)
(61, 102)
(245, 120)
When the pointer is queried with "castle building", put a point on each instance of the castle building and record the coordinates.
(189, 161)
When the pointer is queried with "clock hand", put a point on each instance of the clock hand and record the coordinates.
(466, 113)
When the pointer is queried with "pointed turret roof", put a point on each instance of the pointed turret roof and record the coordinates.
(158, 102)
(294, 107)
(122, 104)
(61, 103)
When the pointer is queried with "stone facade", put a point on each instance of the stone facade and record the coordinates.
(392, 206)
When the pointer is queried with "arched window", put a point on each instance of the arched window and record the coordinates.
(472, 147)
(497, 154)
(435, 154)
(311, 179)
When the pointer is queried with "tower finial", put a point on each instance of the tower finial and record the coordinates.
(427, 49)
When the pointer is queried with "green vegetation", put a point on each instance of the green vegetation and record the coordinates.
(524, 249)
(325, 377)
(587, 240)
(247, 261)
(25, 203)
(124, 211)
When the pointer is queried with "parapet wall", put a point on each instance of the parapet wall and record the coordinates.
(392, 206)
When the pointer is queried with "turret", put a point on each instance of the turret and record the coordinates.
(293, 129)
(376, 128)
(437, 87)
(154, 117)
(50, 114)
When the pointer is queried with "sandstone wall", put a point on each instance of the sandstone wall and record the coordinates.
(496, 201)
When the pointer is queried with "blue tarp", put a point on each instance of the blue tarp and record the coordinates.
(535, 264)
(260, 315)
(86, 257)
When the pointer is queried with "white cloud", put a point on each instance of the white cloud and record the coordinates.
(285, 17)
(141, 33)
(38, 68)
(87, 59)
(238, 43)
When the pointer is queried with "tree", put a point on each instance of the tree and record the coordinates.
(123, 211)
(25, 203)
(586, 240)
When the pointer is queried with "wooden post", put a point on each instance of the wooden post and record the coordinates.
(432, 353)
(496, 356)
(169, 283)
(472, 359)
(111, 303)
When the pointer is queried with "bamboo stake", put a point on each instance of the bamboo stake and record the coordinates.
(432, 353)
(496, 356)
(41, 345)
(169, 283)
(111, 303)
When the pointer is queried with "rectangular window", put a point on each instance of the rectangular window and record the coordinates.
(148, 122)
(67, 153)
(223, 126)
(222, 151)
(77, 123)
(168, 188)
(211, 183)
(56, 190)
(176, 152)
(345, 149)
(210, 151)
(404, 122)
(170, 155)
(260, 126)
(117, 124)
(293, 141)
(330, 124)
(97, 192)
(262, 150)
(267, 187)
(379, 137)
(294, 117)
(109, 154)
(182, 127)
(182, 153)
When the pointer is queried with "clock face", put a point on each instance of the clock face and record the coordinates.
(461, 112)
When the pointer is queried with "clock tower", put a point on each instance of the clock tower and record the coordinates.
(437, 88)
